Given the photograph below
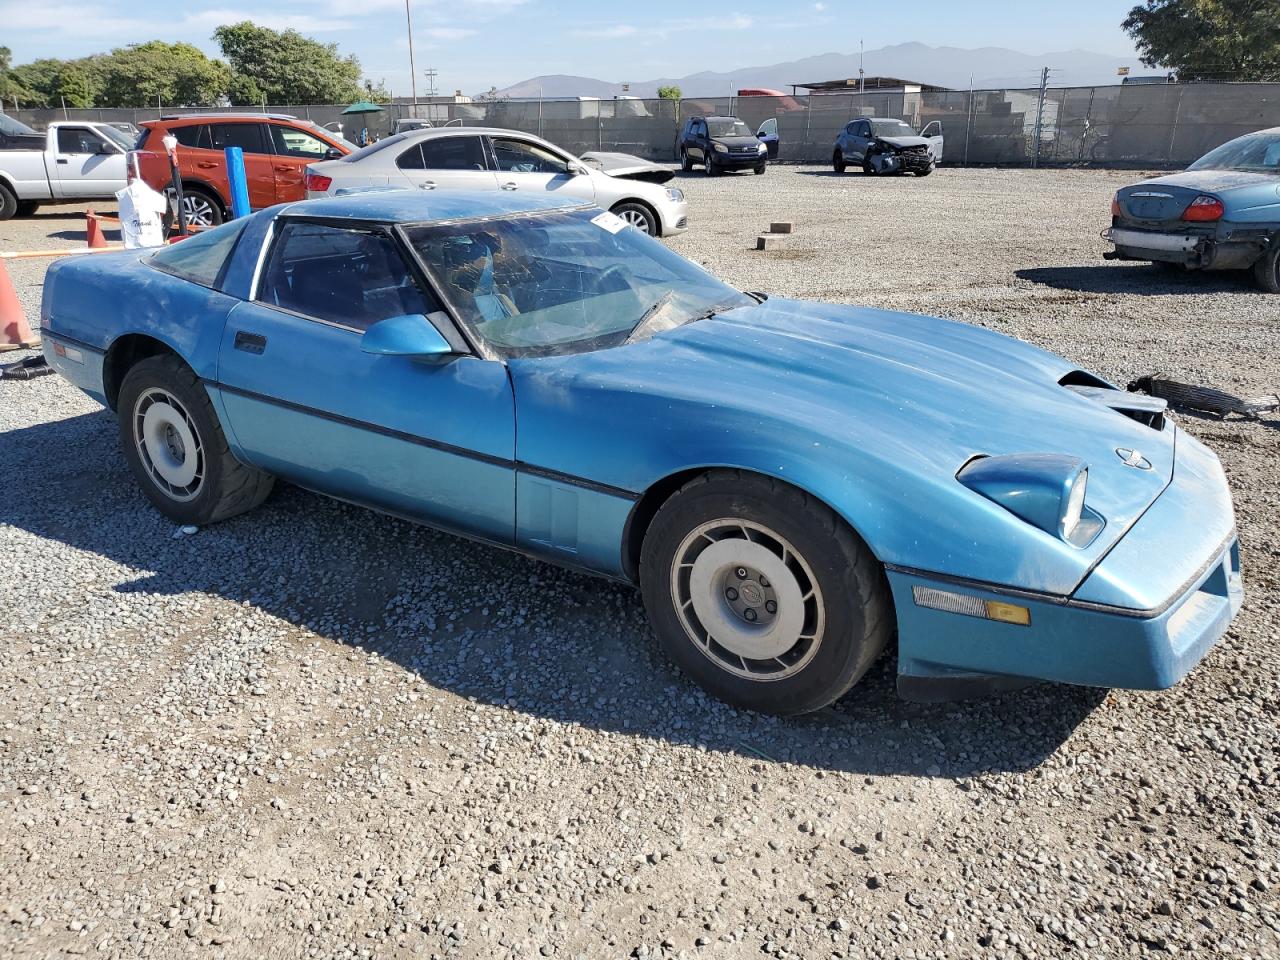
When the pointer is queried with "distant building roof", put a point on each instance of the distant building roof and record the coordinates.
(1152, 78)
(868, 83)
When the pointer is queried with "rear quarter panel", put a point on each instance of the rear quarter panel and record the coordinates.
(93, 300)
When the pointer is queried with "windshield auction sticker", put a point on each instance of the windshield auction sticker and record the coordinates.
(609, 221)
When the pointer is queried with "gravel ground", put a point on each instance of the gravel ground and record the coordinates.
(318, 732)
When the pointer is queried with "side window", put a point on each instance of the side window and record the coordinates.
(444, 153)
(769, 128)
(78, 140)
(195, 135)
(702, 128)
(247, 136)
(517, 156)
(294, 143)
(864, 128)
(200, 258)
(353, 278)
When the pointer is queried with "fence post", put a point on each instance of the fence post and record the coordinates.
(1177, 114)
(808, 111)
(968, 128)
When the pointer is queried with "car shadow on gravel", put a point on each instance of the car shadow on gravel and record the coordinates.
(488, 624)
(1139, 279)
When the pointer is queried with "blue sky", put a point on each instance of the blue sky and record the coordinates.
(478, 43)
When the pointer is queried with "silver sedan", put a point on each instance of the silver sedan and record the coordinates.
(482, 158)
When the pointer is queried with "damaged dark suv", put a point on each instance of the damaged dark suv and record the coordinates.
(883, 145)
(721, 143)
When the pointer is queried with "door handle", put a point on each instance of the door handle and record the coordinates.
(250, 342)
(509, 186)
(427, 185)
(283, 169)
(206, 165)
(63, 160)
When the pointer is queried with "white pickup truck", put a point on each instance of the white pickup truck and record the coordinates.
(74, 161)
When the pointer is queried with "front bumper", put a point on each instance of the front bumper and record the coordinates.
(1142, 619)
(739, 161)
(674, 217)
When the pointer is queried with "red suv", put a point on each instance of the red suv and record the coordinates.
(277, 149)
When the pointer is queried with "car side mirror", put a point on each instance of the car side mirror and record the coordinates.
(410, 335)
(333, 153)
(105, 149)
(577, 170)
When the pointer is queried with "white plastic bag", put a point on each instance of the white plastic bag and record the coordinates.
(142, 213)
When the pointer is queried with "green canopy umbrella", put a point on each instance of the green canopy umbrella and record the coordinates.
(362, 106)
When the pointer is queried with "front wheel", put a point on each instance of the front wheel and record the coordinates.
(926, 171)
(686, 164)
(708, 166)
(837, 161)
(8, 203)
(762, 594)
(1267, 270)
(176, 448)
(638, 216)
(760, 168)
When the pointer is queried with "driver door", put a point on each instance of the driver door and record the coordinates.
(933, 133)
(432, 440)
(87, 164)
(523, 165)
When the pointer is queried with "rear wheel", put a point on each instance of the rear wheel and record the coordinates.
(176, 448)
(686, 164)
(202, 209)
(762, 594)
(1267, 270)
(638, 216)
(8, 203)
(837, 161)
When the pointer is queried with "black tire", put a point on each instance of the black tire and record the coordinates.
(867, 169)
(685, 163)
(761, 169)
(709, 166)
(216, 214)
(8, 203)
(926, 171)
(1267, 270)
(832, 558)
(27, 208)
(638, 215)
(225, 486)
(837, 161)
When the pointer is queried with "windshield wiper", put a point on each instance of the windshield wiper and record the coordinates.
(639, 331)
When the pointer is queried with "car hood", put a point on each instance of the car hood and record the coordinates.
(736, 142)
(866, 408)
(904, 141)
(1210, 181)
(627, 167)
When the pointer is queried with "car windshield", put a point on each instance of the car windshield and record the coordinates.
(891, 128)
(118, 137)
(15, 128)
(565, 282)
(728, 128)
(1258, 152)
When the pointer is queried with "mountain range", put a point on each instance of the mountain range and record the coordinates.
(986, 67)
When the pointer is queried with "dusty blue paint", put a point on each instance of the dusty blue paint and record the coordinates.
(411, 335)
(873, 412)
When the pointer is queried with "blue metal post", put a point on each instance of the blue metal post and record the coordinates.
(238, 182)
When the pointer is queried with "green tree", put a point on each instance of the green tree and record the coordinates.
(1209, 39)
(10, 85)
(176, 74)
(669, 93)
(48, 81)
(287, 67)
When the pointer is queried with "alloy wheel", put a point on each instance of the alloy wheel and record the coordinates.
(168, 444)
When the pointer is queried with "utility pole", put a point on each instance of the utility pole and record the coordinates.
(413, 71)
(431, 73)
(862, 74)
(1044, 87)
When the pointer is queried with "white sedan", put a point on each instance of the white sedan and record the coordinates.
(482, 158)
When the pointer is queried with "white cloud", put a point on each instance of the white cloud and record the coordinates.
(69, 19)
(302, 22)
(819, 7)
(735, 21)
(448, 33)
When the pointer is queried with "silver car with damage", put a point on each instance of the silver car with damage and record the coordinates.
(485, 158)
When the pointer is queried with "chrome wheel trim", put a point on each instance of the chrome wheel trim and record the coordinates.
(708, 165)
(198, 210)
(168, 444)
(637, 219)
(747, 599)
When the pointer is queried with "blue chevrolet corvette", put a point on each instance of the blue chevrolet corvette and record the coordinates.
(1221, 213)
(791, 484)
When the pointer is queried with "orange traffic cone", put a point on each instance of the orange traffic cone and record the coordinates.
(93, 230)
(14, 332)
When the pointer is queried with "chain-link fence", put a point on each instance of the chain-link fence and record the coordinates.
(1139, 125)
